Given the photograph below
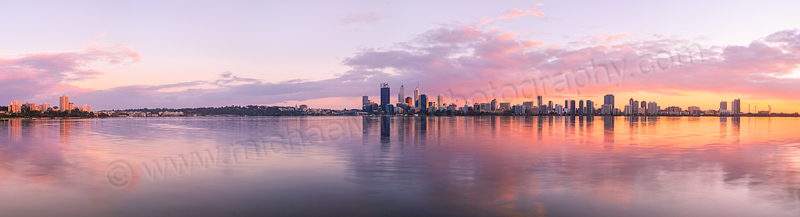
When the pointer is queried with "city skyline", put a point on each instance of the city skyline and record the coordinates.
(632, 107)
(560, 50)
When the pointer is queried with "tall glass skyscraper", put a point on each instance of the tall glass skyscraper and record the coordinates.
(384, 94)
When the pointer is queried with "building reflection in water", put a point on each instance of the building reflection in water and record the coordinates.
(723, 127)
(608, 130)
(386, 125)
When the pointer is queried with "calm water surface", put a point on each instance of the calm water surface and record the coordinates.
(398, 166)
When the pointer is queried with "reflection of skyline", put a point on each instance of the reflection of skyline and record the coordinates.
(527, 166)
(513, 168)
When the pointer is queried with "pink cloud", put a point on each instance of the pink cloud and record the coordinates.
(34, 76)
(516, 12)
(459, 62)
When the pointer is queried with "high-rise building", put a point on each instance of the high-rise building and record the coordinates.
(589, 107)
(409, 101)
(63, 103)
(549, 106)
(385, 98)
(736, 107)
(572, 106)
(634, 106)
(608, 99)
(581, 109)
(416, 96)
(653, 108)
(423, 102)
(644, 105)
(15, 106)
(505, 106)
(493, 104)
(439, 100)
(539, 100)
(606, 109)
(529, 104)
(402, 95)
(723, 105)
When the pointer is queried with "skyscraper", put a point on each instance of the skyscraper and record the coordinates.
(439, 100)
(723, 105)
(572, 106)
(385, 94)
(63, 103)
(581, 109)
(423, 102)
(494, 104)
(416, 96)
(402, 95)
(549, 106)
(608, 99)
(539, 100)
(644, 105)
(736, 106)
(589, 107)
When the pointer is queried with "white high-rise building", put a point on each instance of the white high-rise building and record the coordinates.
(402, 95)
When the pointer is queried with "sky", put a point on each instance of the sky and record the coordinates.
(327, 54)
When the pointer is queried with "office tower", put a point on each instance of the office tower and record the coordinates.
(416, 96)
(549, 106)
(384, 94)
(736, 106)
(505, 106)
(63, 103)
(409, 101)
(644, 105)
(723, 105)
(528, 105)
(494, 104)
(635, 107)
(402, 95)
(423, 102)
(589, 107)
(15, 106)
(581, 109)
(439, 100)
(572, 106)
(539, 100)
(608, 99)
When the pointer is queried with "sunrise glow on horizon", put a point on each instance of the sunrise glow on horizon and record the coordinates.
(328, 55)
